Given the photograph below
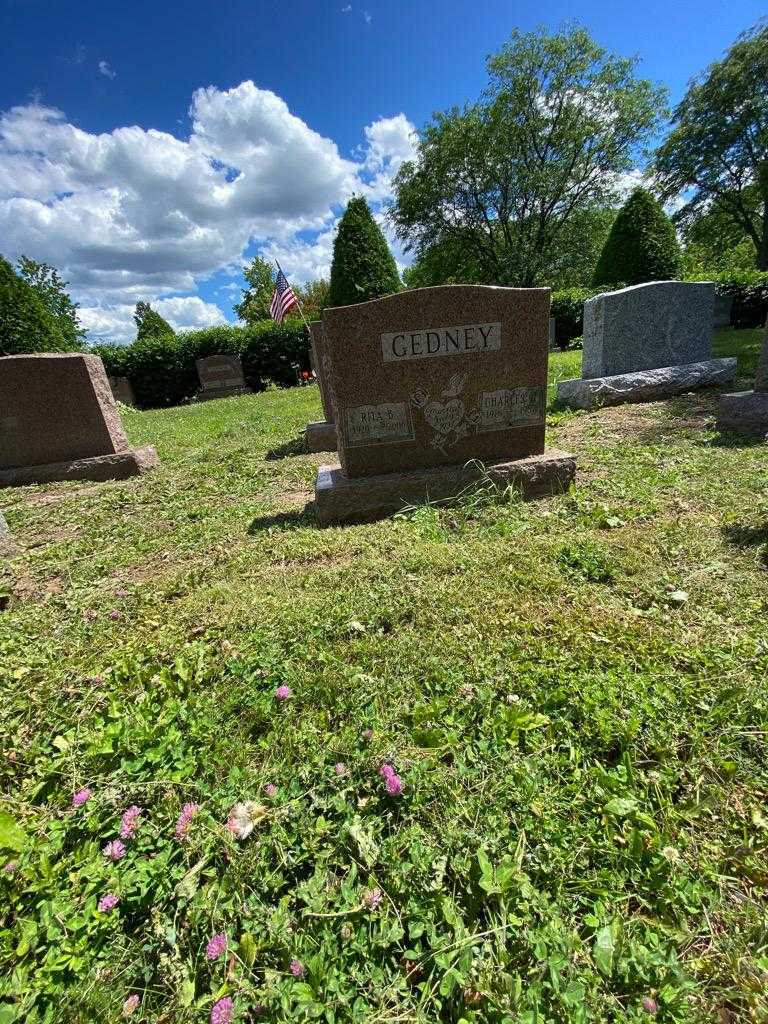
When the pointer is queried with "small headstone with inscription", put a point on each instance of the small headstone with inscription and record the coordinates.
(221, 376)
(431, 389)
(59, 421)
(122, 391)
(746, 412)
(646, 342)
(321, 436)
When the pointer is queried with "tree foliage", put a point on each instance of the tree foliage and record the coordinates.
(506, 176)
(254, 304)
(26, 325)
(641, 245)
(49, 285)
(363, 267)
(149, 323)
(718, 146)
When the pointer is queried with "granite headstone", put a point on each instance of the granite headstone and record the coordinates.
(647, 341)
(122, 391)
(59, 421)
(746, 412)
(428, 382)
(321, 436)
(221, 376)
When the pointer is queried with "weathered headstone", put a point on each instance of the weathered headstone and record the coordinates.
(552, 334)
(321, 436)
(221, 376)
(746, 412)
(646, 342)
(722, 312)
(122, 390)
(431, 388)
(58, 421)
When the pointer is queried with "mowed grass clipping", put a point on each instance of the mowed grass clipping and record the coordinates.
(571, 691)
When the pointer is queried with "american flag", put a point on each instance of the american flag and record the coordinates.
(283, 301)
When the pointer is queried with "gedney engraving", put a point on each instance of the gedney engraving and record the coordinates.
(440, 341)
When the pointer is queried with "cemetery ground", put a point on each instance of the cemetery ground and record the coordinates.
(572, 691)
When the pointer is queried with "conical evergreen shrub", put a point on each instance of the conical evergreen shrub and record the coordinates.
(641, 245)
(363, 267)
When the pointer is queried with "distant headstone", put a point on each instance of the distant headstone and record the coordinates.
(746, 412)
(648, 341)
(122, 390)
(552, 337)
(221, 376)
(321, 436)
(722, 311)
(428, 387)
(58, 421)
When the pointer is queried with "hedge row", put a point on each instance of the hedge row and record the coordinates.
(162, 370)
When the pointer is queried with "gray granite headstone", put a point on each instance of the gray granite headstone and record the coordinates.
(647, 326)
(746, 412)
(221, 376)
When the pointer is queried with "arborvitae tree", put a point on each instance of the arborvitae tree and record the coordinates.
(25, 323)
(149, 323)
(363, 267)
(641, 246)
(52, 290)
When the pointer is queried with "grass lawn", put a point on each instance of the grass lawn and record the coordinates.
(572, 691)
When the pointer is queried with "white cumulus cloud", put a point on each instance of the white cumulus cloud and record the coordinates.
(106, 69)
(139, 213)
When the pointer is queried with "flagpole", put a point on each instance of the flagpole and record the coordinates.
(301, 311)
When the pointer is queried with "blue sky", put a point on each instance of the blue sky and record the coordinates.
(146, 149)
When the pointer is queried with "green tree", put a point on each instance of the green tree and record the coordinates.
(26, 325)
(558, 122)
(254, 304)
(48, 284)
(363, 267)
(717, 150)
(313, 297)
(149, 323)
(641, 245)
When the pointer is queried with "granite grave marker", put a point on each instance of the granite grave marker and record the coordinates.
(431, 384)
(645, 342)
(321, 436)
(221, 376)
(122, 390)
(59, 421)
(746, 412)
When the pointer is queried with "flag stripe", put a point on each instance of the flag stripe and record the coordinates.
(283, 301)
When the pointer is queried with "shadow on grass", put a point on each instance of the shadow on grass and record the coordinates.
(295, 519)
(288, 450)
(746, 536)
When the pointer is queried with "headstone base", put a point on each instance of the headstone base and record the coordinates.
(340, 499)
(208, 394)
(118, 466)
(644, 385)
(321, 437)
(744, 412)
